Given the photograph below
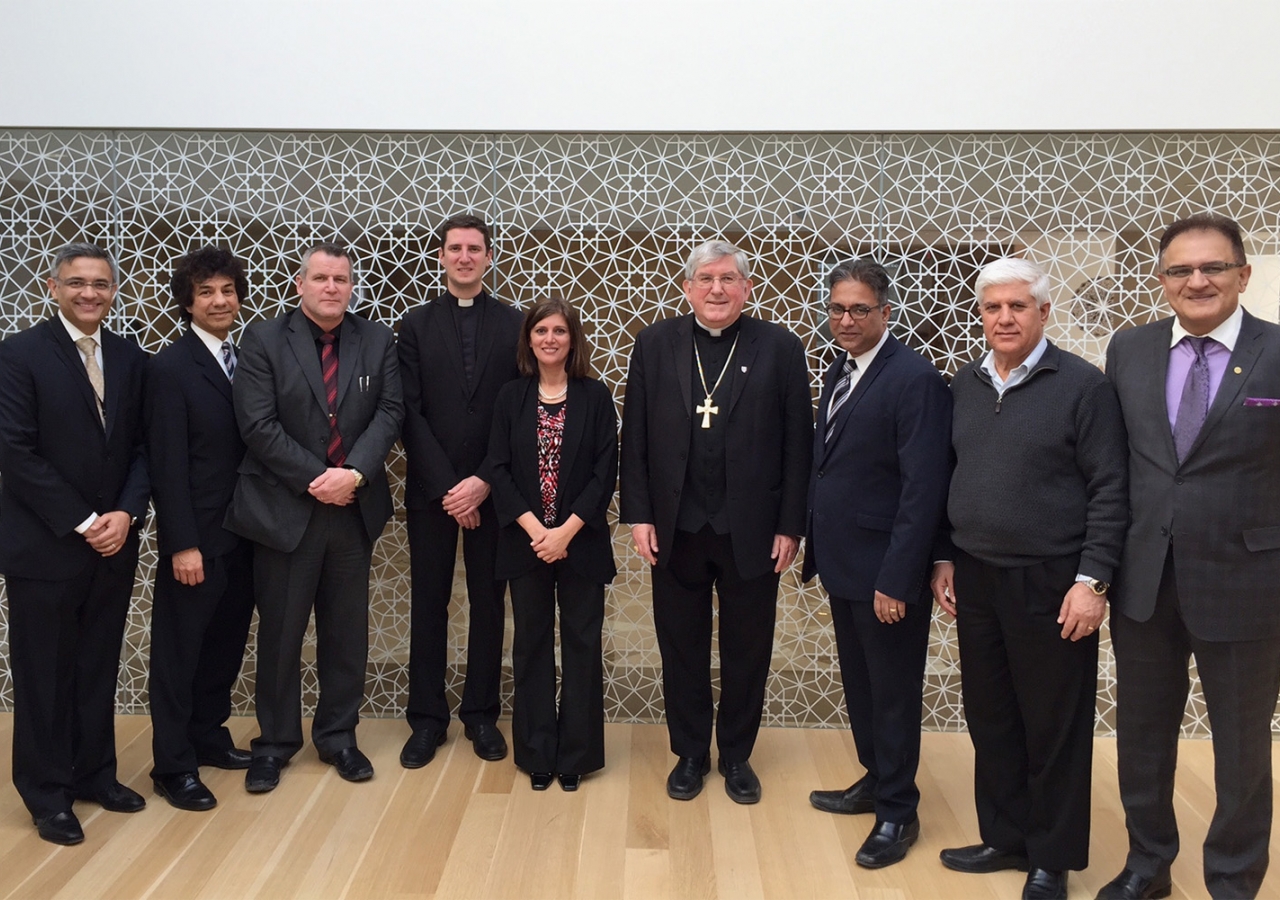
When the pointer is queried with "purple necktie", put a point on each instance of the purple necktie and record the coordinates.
(1193, 408)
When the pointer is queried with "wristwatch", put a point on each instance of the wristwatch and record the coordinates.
(360, 479)
(1098, 587)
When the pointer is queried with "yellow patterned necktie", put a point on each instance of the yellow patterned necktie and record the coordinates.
(88, 349)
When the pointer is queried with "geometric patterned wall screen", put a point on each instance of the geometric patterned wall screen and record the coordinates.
(607, 220)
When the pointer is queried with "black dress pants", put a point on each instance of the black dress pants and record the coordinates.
(433, 548)
(1240, 680)
(328, 571)
(64, 653)
(198, 635)
(1029, 699)
(882, 669)
(682, 615)
(569, 741)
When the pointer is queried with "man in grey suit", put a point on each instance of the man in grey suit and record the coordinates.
(1200, 394)
(318, 401)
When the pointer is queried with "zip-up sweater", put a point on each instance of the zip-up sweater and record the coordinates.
(1041, 471)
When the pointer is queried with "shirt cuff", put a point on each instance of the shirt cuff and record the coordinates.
(87, 523)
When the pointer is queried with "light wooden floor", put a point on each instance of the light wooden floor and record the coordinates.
(464, 828)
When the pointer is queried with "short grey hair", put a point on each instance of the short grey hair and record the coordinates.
(1012, 270)
(83, 250)
(712, 251)
(328, 248)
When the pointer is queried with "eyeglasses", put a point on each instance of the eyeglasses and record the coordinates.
(857, 313)
(101, 286)
(726, 281)
(1208, 270)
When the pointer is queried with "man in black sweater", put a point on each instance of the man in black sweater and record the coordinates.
(1038, 509)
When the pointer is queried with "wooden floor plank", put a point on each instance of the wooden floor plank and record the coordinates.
(464, 828)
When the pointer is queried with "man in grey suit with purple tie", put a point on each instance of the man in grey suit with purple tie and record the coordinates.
(1200, 393)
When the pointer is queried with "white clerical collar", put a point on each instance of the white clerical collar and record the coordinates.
(1225, 334)
(714, 332)
(75, 333)
(211, 341)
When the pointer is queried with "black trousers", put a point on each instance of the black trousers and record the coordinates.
(329, 571)
(682, 618)
(882, 669)
(433, 549)
(569, 741)
(1029, 698)
(1240, 680)
(198, 635)
(64, 653)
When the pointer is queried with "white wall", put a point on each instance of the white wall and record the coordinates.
(641, 65)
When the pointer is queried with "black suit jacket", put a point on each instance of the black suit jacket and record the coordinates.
(879, 485)
(195, 448)
(767, 446)
(446, 422)
(58, 462)
(588, 475)
(1218, 508)
(283, 416)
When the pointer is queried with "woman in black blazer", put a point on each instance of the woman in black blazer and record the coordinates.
(554, 453)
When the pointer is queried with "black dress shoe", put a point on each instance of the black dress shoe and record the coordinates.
(487, 741)
(263, 774)
(685, 780)
(979, 859)
(1045, 884)
(225, 758)
(1129, 885)
(115, 797)
(420, 749)
(887, 844)
(60, 828)
(540, 781)
(352, 765)
(569, 782)
(854, 800)
(740, 782)
(185, 790)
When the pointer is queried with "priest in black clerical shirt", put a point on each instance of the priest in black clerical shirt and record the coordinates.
(716, 435)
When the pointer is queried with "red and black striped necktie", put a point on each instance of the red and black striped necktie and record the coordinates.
(329, 368)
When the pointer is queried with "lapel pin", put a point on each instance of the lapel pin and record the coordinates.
(744, 370)
(1238, 370)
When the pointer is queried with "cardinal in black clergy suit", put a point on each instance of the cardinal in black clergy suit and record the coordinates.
(456, 353)
(716, 448)
(881, 467)
(203, 597)
(317, 398)
(75, 491)
(1200, 394)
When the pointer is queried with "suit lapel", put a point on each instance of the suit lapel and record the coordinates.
(743, 359)
(113, 377)
(304, 351)
(860, 390)
(210, 369)
(1243, 358)
(66, 350)
(349, 353)
(1156, 361)
(447, 329)
(484, 340)
(682, 351)
(575, 425)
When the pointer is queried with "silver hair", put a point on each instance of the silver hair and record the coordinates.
(79, 251)
(1012, 270)
(337, 251)
(715, 250)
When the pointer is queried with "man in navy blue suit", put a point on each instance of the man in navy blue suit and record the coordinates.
(881, 466)
(204, 580)
(75, 490)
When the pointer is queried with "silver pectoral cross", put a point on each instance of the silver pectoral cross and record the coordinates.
(707, 411)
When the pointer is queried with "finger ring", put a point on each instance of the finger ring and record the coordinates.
(1091, 628)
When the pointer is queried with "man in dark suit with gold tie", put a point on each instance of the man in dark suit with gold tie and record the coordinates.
(1200, 393)
(203, 597)
(75, 490)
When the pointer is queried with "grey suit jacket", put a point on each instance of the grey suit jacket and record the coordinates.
(284, 418)
(1220, 509)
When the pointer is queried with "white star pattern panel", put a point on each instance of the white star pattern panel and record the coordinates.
(607, 221)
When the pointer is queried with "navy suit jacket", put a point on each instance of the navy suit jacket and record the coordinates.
(769, 418)
(58, 462)
(283, 414)
(195, 447)
(588, 475)
(879, 485)
(1218, 507)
